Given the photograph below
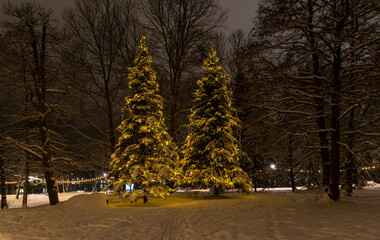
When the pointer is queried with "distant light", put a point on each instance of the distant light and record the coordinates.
(104, 174)
(34, 178)
(272, 166)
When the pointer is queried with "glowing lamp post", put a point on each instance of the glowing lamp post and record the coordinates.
(273, 167)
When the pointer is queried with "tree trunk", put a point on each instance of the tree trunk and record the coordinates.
(350, 164)
(255, 173)
(320, 104)
(335, 125)
(2, 183)
(290, 161)
(18, 187)
(26, 182)
(335, 149)
(340, 14)
(321, 123)
(350, 157)
(27, 140)
(292, 180)
(41, 85)
(51, 186)
(323, 143)
(173, 112)
(111, 127)
(145, 199)
(216, 191)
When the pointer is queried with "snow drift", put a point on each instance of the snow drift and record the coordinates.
(91, 201)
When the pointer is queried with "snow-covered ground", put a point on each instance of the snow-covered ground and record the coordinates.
(37, 199)
(266, 215)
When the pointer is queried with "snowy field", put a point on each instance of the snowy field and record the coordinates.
(266, 215)
(37, 199)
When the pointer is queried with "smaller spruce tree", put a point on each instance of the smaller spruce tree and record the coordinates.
(211, 152)
(145, 154)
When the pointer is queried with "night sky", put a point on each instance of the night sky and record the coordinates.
(241, 12)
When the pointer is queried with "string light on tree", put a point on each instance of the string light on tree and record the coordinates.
(211, 153)
(145, 154)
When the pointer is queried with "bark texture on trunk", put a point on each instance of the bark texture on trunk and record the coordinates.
(2, 183)
(173, 108)
(26, 182)
(340, 13)
(335, 152)
(290, 161)
(350, 166)
(27, 137)
(335, 125)
(319, 102)
(39, 78)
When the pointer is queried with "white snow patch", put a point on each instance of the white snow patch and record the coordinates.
(372, 185)
(38, 199)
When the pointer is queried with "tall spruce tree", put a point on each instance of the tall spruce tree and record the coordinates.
(211, 152)
(145, 154)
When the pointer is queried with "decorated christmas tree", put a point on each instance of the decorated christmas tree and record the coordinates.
(145, 154)
(211, 152)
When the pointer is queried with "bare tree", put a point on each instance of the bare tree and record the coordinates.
(348, 35)
(35, 24)
(180, 31)
(103, 39)
(314, 44)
